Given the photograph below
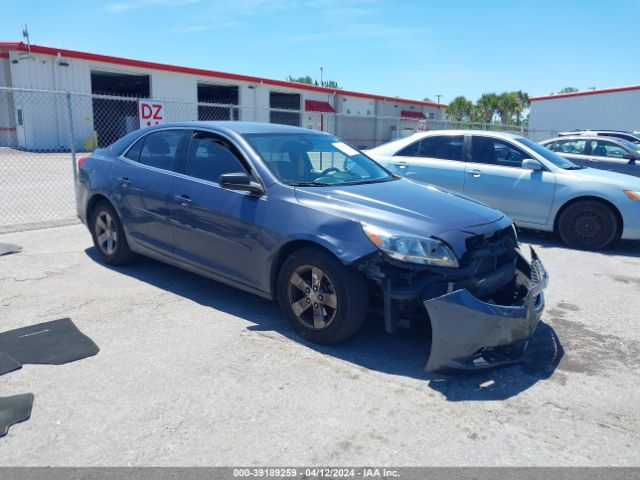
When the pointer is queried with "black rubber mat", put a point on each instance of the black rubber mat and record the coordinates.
(55, 342)
(8, 364)
(7, 248)
(13, 410)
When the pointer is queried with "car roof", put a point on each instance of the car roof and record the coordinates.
(237, 127)
(228, 127)
(596, 132)
(487, 133)
(583, 137)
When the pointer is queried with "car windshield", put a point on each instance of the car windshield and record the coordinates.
(315, 160)
(552, 157)
(631, 146)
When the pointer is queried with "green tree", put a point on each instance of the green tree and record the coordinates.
(525, 103)
(331, 84)
(427, 99)
(508, 105)
(568, 90)
(307, 79)
(486, 107)
(460, 109)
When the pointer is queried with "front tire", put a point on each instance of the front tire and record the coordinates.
(323, 300)
(108, 235)
(588, 225)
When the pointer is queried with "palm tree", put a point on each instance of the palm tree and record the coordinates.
(525, 104)
(508, 105)
(460, 108)
(486, 107)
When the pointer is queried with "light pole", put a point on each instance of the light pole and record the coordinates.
(438, 97)
(321, 71)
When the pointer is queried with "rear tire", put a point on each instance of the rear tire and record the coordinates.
(588, 225)
(108, 235)
(323, 300)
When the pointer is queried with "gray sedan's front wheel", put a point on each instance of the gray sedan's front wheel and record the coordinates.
(323, 300)
(108, 235)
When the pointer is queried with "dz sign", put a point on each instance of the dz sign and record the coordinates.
(150, 112)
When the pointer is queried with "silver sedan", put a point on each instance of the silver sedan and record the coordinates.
(537, 188)
(605, 153)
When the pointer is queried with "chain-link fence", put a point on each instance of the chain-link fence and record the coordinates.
(43, 133)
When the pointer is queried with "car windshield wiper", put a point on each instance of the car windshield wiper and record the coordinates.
(310, 184)
(364, 182)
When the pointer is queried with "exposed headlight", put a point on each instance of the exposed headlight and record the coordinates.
(410, 248)
(633, 195)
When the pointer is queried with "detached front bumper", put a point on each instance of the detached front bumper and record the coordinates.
(469, 334)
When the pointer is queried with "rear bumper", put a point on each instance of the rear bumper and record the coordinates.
(469, 334)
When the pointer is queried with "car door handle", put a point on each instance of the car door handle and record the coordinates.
(401, 164)
(475, 172)
(183, 200)
(124, 181)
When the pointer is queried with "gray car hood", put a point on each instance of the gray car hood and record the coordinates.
(408, 206)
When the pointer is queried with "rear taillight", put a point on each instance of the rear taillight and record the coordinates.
(81, 161)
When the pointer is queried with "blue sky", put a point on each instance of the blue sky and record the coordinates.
(411, 49)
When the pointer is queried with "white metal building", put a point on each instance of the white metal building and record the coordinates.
(192, 94)
(610, 109)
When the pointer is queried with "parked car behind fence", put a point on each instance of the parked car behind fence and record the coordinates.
(605, 153)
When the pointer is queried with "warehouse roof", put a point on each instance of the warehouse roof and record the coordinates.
(22, 47)
(585, 92)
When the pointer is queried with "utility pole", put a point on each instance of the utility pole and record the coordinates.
(25, 34)
(321, 71)
(438, 97)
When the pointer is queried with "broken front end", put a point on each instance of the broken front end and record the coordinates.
(481, 313)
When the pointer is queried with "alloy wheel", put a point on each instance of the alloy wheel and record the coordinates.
(312, 297)
(106, 233)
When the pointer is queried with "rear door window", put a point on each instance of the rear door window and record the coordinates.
(410, 151)
(134, 152)
(161, 149)
(443, 147)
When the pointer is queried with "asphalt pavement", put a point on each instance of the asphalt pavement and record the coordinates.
(192, 372)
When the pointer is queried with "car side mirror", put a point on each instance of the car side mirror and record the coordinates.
(631, 157)
(531, 164)
(240, 181)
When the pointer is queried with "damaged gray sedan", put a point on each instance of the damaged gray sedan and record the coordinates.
(303, 218)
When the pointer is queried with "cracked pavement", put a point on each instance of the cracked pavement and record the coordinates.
(192, 372)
